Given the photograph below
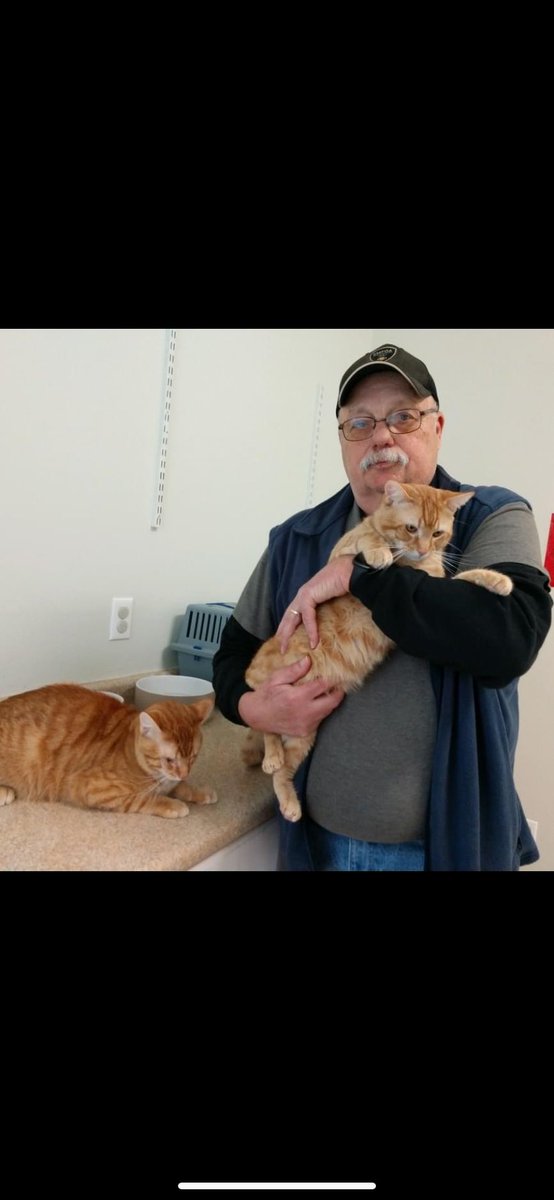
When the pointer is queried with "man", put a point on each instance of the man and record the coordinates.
(414, 771)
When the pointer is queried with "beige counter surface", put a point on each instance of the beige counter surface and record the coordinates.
(54, 837)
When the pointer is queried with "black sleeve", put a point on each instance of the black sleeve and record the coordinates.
(236, 651)
(455, 623)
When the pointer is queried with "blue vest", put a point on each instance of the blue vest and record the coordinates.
(475, 821)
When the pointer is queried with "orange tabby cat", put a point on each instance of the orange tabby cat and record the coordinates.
(65, 742)
(412, 526)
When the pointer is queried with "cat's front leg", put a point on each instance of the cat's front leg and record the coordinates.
(107, 792)
(375, 551)
(376, 556)
(274, 757)
(164, 806)
(7, 794)
(493, 581)
(348, 544)
(155, 806)
(200, 795)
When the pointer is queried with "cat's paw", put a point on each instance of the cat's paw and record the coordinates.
(273, 762)
(493, 581)
(499, 583)
(290, 808)
(377, 556)
(172, 808)
(204, 795)
(6, 795)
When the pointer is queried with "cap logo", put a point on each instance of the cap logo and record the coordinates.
(383, 354)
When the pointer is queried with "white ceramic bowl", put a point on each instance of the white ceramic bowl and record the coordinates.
(114, 696)
(183, 688)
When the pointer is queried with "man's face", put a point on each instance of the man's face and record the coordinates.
(379, 395)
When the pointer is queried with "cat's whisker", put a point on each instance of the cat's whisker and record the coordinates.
(450, 561)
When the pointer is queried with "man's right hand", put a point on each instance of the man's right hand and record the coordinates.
(278, 706)
(332, 580)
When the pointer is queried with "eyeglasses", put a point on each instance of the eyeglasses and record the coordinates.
(406, 420)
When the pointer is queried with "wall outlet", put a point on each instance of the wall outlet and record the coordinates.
(121, 617)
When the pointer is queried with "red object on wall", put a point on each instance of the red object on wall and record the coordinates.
(549, 559)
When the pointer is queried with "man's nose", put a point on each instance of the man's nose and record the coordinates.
(382, 435)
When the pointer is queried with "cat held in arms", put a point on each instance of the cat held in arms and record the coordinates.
(411, 527)
(68, 743)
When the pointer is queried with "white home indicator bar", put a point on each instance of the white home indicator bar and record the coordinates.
(278, 1187)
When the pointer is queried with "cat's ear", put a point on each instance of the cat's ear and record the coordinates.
(394, 492)
(203, 707)
(457, 499)
(148, 726)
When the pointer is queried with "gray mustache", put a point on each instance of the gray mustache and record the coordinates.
(388, 456)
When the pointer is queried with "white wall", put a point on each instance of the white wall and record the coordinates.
(495, 388)
(80, 415)
(80, 419)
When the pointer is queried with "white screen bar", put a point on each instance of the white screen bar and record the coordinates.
(278, 1187)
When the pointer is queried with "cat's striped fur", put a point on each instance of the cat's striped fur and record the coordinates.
(66, 742)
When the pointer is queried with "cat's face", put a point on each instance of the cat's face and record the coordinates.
(417, 520)
(170, 737)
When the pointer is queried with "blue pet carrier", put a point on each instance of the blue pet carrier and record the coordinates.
(199, 637)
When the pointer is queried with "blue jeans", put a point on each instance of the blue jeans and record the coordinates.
(327, 851)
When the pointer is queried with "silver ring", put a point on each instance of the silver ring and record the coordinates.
(293, 610)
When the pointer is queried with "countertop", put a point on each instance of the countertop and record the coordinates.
(38, 836)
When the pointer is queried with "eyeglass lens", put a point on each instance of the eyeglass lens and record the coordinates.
(406, 420)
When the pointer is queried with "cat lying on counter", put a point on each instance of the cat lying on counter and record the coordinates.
(66, 743)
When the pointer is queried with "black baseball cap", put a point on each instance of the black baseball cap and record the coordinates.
(413, 369)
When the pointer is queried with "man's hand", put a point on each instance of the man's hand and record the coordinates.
(332, 580)
(277, 706)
